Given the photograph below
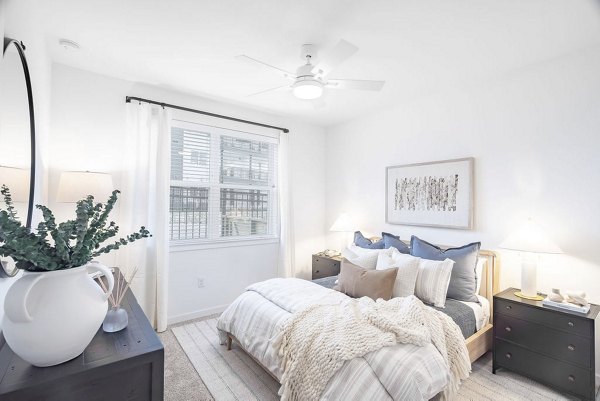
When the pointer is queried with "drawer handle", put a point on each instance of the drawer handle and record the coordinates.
(508, 355)
(571, 347)
(572, 378)
(508, 307)
(571, 324)
(508, 328)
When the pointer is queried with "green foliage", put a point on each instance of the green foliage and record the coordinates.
(73, 242)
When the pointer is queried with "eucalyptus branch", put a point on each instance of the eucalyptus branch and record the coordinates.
(10, 209)
(75, 242)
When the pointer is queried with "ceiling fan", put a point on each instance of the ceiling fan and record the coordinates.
(310, 80)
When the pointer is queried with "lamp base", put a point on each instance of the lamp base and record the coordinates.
(533, 298)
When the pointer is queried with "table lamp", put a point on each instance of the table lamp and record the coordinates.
(343, 224)
(531, 240)
(74, 186)
(17, 181)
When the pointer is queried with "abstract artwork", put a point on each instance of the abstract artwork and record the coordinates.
(436, 194)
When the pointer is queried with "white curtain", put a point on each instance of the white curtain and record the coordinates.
(286, 234)
(145, 202)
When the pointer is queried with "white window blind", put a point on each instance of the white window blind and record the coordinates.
(223, 184)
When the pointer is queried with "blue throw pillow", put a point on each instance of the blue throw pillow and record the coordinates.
(361, 241)
(393, 241)
(463, 281)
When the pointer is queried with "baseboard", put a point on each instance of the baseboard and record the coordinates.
(196, 314)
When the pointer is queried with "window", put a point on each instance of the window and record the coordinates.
(223, 184)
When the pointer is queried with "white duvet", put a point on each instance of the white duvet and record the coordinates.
(399, 372)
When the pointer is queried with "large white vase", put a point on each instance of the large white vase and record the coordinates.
(50, 317)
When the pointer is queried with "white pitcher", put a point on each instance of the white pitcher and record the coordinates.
(50, 317)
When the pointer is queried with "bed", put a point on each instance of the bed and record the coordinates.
(252, 322)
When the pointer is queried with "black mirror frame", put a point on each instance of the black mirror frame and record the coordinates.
(21, 50)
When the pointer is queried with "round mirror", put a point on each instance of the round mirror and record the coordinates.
(17, 137)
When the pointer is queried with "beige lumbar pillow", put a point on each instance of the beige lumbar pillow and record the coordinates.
(358, 282)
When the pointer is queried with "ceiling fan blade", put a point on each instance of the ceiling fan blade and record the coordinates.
(271, 68)
(276, 89)
(336, 56)
(359, 84)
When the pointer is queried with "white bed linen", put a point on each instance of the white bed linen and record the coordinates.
(482, 311)
(401, 372)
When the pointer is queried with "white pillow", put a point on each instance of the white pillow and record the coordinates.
(365, 258)
(408, 268)
(433, 280)
(479, 272)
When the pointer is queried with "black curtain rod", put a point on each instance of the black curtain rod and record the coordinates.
(128, 99)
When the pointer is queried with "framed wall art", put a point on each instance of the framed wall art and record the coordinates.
(434, 194)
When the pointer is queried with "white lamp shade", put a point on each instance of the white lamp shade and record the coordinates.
(343, 224)
(74, 186)
(17, 181)
(530, 237)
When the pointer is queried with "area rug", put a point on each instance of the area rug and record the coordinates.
(233, 375)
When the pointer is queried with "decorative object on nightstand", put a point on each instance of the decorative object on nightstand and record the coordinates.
(116, 318)
(555, 296)
(554, 347)
(345, 225)
(325, 266)
(53, 310)
(126, 365)
(575, 301)
(531, 240)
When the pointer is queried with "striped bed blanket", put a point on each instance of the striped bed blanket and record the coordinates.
(397, 372)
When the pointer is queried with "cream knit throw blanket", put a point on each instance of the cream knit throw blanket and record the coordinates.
(317, 341)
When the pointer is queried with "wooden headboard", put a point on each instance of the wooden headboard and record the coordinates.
(490, 280)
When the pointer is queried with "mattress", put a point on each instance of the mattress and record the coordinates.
(469, 316)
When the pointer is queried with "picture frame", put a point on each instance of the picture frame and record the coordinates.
(432, 194)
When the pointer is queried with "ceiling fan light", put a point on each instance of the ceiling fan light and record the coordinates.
(308, 90)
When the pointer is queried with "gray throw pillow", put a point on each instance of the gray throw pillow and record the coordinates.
(463, 281)
(361, 241)
(393, 241)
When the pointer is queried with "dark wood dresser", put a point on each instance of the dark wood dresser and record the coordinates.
(554, 347)
(127, 365)
(325, 266)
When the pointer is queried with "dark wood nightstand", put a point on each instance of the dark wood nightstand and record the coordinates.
(126, 365)
(554, 347)
(325, 266)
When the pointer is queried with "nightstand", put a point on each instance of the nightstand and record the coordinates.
(554, 347)
(325, 266)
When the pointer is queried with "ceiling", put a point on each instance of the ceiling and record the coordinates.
(418, 47)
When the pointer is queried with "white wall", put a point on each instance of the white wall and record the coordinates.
(16, 25)
(88, 123)
(535, 136)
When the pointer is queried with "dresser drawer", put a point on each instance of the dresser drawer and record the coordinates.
(560, 321)
(550, 371)
(324, 267)
(568, 347)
